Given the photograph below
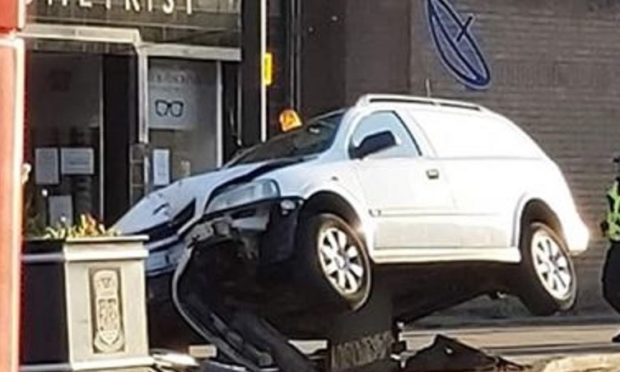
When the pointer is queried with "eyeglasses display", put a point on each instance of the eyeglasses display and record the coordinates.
(169, 108)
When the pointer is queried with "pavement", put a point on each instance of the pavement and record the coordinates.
(526, 344)
(562, 346)
(552, 347)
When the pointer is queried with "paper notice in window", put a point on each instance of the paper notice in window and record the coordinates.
(60, 209)
(161, 167)
(77, 161)
(46, 166)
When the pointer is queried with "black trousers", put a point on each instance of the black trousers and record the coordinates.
(611, 276)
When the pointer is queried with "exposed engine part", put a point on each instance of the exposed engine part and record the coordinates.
(241, 337)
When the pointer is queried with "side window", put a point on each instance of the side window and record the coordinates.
(382, 121)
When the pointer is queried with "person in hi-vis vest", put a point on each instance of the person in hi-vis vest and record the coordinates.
(611, 230)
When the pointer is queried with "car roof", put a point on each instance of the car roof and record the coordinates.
(425, 102)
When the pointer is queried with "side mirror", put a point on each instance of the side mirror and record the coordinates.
(373, 143)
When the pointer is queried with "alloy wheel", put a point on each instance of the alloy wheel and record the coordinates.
(341, 260)
(551, 265)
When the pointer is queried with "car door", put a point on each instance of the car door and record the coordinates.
(480, 156)
(406, 195)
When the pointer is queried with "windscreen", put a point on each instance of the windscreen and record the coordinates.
(312, 138)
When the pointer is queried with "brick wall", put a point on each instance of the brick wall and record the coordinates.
(323, 70)
(377, 35)
(554, 68)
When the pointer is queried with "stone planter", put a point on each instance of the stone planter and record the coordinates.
(84, 305)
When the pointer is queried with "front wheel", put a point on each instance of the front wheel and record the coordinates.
(333, 261)
(546, 279)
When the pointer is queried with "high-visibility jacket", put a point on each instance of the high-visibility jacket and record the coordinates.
(613, 212)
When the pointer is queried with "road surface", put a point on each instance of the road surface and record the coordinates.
(526, 344)
(522, 344)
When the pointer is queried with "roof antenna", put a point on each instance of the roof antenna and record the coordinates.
(427, 85)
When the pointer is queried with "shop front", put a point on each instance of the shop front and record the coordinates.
(124, 97)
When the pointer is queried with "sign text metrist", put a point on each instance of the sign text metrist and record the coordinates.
(135, 6)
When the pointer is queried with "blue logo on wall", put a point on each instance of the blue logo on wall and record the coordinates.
(456, 45)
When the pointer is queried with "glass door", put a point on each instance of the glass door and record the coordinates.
(183, 118)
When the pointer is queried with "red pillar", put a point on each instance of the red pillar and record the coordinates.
(11, 152)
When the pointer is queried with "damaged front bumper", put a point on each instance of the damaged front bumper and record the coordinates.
(262, 232)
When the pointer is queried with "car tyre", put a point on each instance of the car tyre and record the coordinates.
(546, 282)
(332, 260)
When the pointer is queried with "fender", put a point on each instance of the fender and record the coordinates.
(518, 214)
(367, 224)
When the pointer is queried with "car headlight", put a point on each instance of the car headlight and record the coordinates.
(244, 194)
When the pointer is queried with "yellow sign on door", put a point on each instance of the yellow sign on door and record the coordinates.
(268, 69)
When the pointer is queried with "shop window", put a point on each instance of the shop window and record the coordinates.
(183, 119)
(63, 138)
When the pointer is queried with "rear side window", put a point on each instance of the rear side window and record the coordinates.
(382, 121)
(473, 135)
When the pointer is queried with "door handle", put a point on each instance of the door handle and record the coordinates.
(432, 174)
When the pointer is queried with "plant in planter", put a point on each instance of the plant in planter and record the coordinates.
(88, 227)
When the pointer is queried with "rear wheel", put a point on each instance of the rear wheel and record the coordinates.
(334, 261)
(546, 281)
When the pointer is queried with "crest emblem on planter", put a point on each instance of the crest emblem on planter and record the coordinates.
(106, 311)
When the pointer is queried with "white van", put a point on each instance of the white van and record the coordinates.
(391, 181)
